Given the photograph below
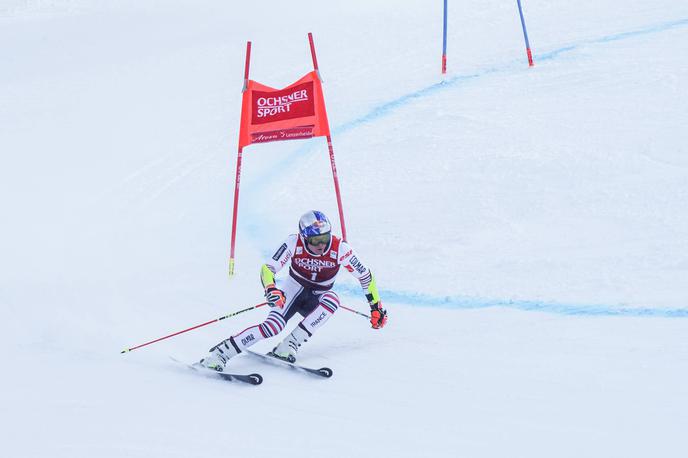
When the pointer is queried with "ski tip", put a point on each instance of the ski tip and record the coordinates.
(251, 379)
(325, 372)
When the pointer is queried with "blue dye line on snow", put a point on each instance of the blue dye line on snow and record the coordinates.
(389, 107)
(614, 37)
(468, 303)
(464, 302)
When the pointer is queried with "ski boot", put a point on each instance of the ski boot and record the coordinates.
(287, 349)
(219, 355)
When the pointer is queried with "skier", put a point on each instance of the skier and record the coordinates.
(314, 256)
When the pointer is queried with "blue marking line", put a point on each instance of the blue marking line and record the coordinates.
(614, 37)
(257, 232)
(467, 303)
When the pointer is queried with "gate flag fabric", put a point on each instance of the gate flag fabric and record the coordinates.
(295, 112)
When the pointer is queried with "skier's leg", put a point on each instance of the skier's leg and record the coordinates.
(273, 325)
(325, 307)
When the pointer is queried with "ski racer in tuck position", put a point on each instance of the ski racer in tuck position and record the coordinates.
(314, 256)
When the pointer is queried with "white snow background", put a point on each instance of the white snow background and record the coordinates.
(528, 228)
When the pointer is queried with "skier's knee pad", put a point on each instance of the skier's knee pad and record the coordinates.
(273, 324)
(330, 301)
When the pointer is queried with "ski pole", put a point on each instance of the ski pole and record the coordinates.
(354, 311)
(194, 327)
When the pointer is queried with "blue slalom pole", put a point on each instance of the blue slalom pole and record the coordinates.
(444, 41)
(525, 34)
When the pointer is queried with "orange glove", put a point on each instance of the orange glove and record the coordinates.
(378, 315)
(275, 296)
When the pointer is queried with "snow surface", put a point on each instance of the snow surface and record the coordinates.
(527, 227)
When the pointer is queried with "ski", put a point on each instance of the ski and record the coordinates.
(253, 379)
(324, 372)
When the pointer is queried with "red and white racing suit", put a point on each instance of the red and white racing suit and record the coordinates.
(307, 288)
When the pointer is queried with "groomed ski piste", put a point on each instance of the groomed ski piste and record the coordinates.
(527, 228)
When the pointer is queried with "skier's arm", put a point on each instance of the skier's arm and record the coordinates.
(278, 260)
(273, 265)
(350, 261)
(267, 276)
(365, 277)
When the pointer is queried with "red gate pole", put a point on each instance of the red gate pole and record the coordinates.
(234, 215)
(237, 180)
(315, 59)
(336, 187)
(329, 147)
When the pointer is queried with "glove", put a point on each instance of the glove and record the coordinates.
(378, 315)
(274, 296)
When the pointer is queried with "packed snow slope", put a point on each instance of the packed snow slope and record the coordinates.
(527, 227)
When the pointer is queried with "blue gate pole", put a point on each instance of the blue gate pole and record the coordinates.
(444, 41)
(525, 34)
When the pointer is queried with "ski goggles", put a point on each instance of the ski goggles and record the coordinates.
(315, 240)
